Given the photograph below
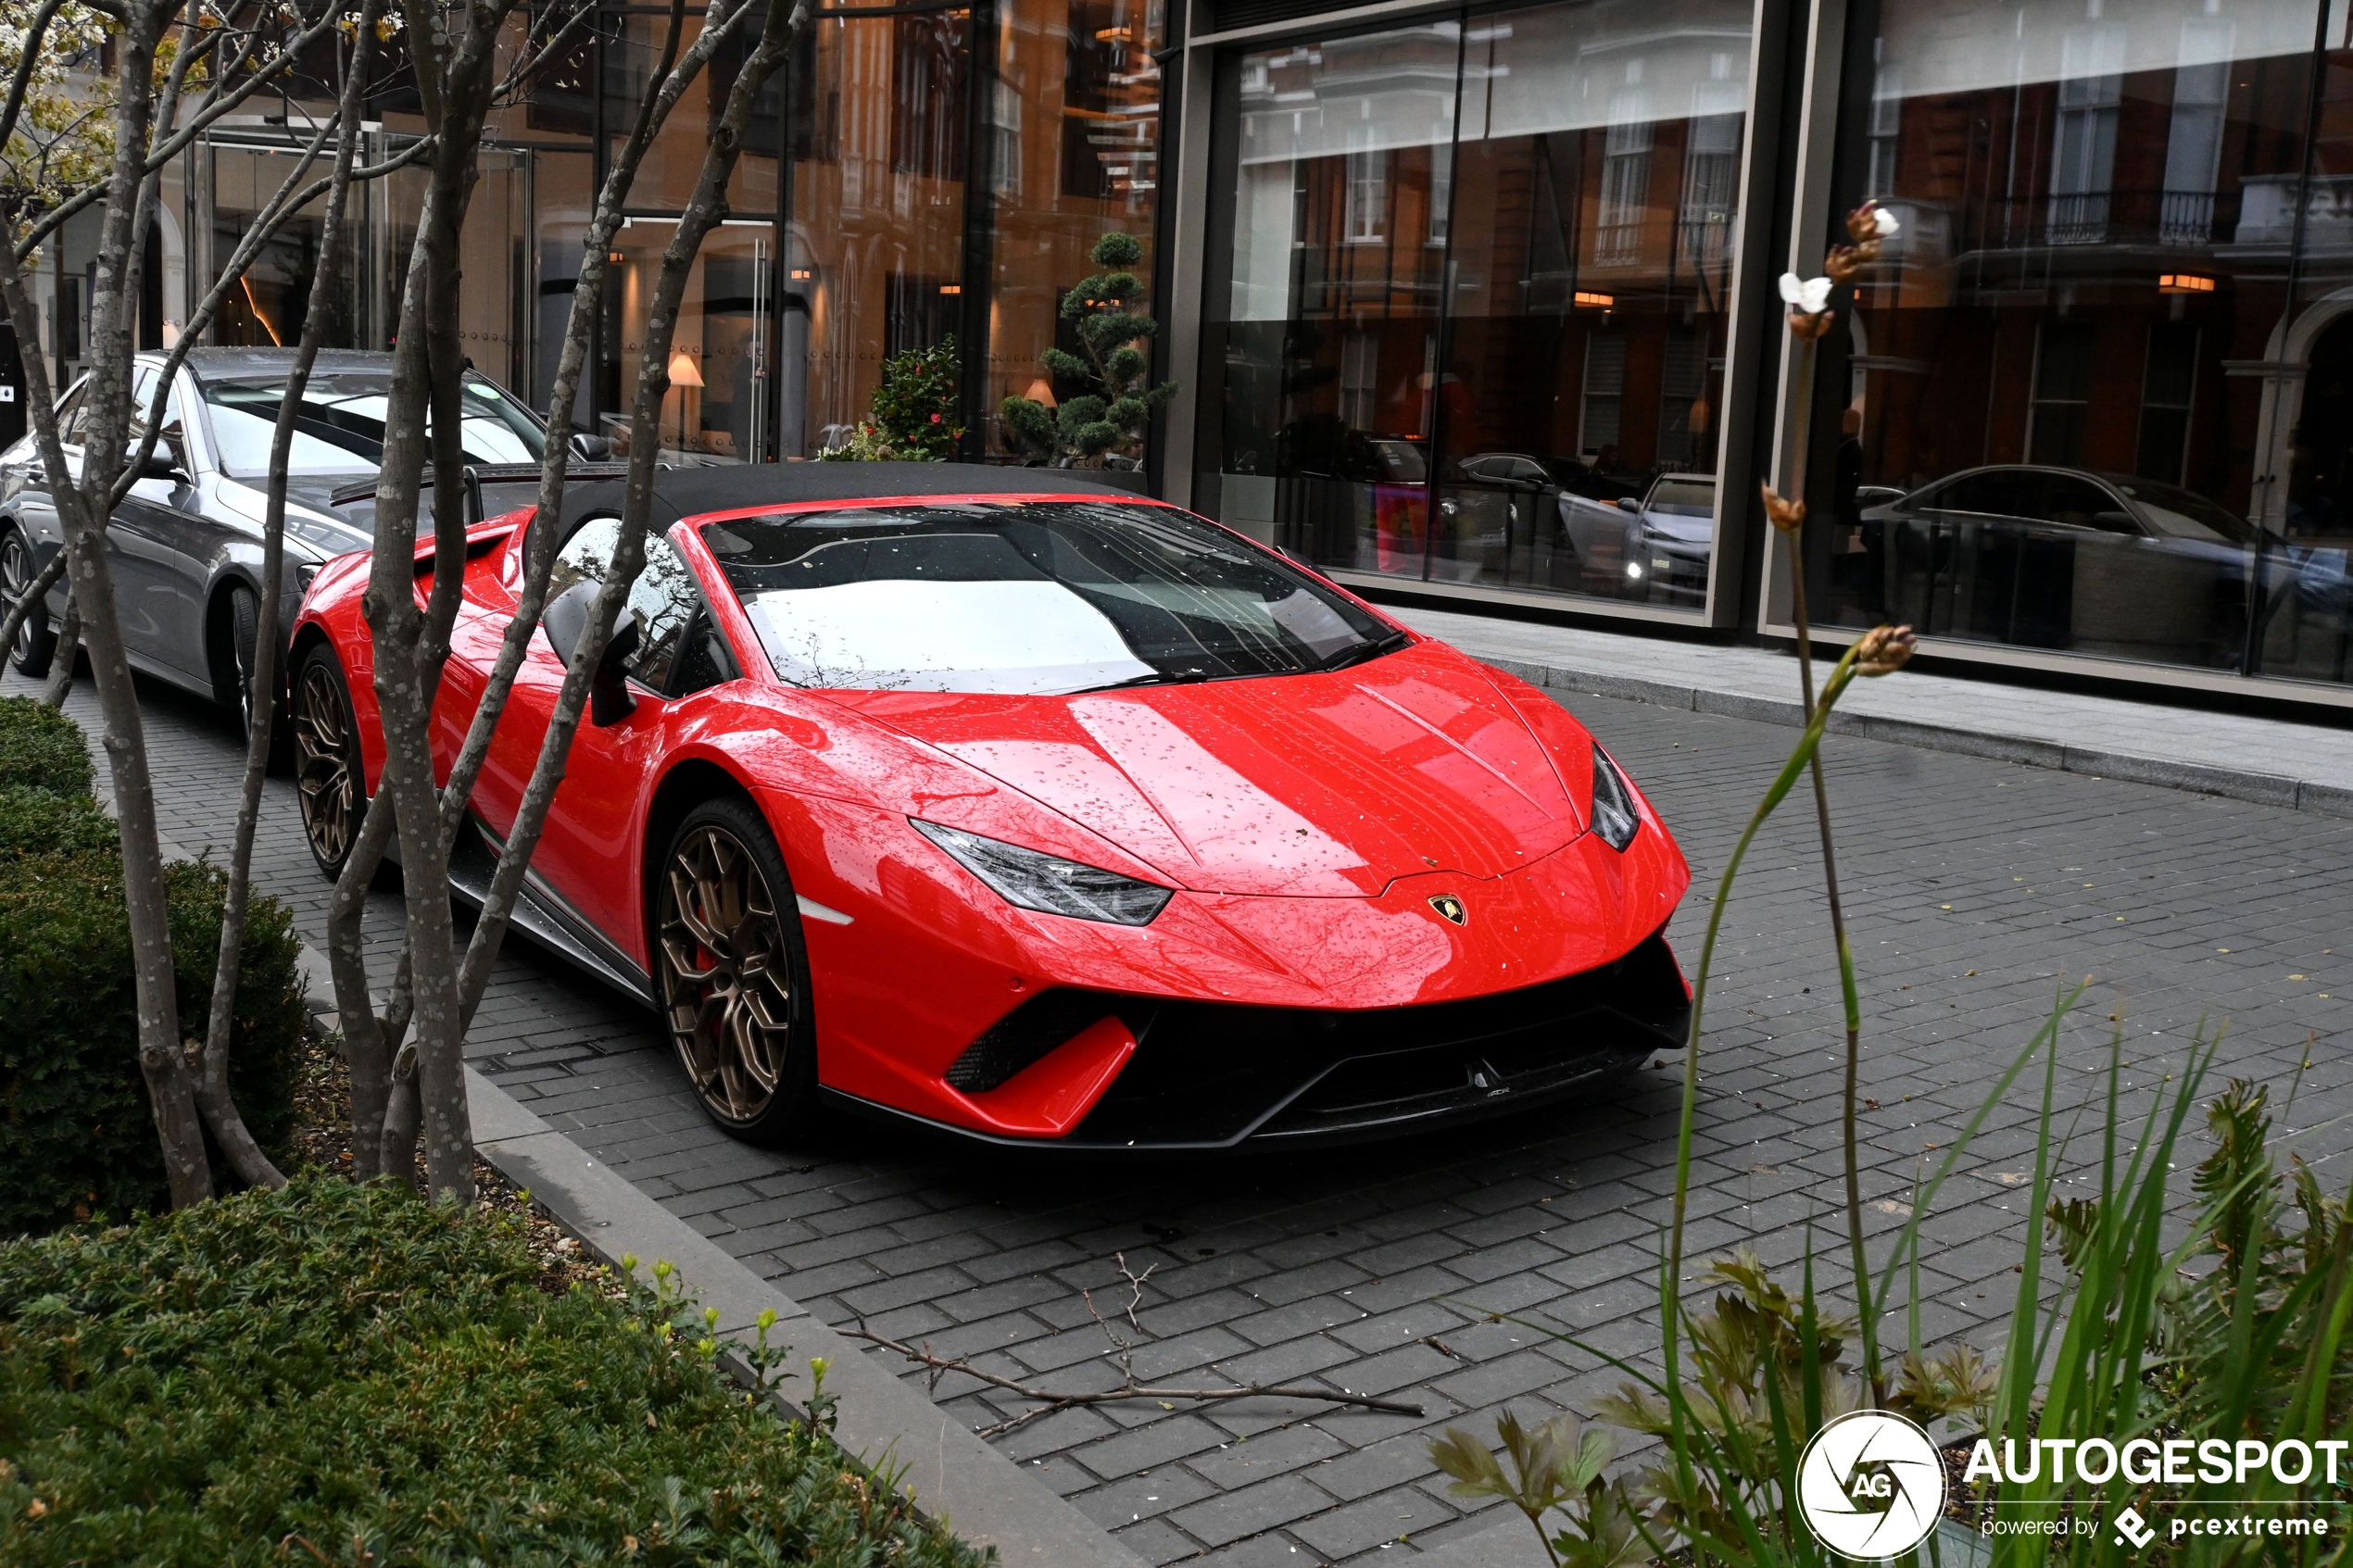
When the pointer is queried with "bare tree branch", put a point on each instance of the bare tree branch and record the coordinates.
(214, 107)
(64, 656)
(780, 26)
(1051, 1402)
(530, 62)
(171, 1093)
(453, 84)
(212, 1077)
(378, 1039)
(28, 602)
(27, 60)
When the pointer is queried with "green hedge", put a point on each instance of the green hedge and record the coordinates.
(42, 747)
(352, 1369)
(35, 821)
(76, 1133)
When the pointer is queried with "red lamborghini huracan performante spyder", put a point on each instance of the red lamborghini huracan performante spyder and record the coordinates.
(1008, 804)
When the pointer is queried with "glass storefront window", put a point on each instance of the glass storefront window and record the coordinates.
(1074, 153)
(2092, 397)
(1469, 320)
(875, 251)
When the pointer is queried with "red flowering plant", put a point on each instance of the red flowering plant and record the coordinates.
(913, 411)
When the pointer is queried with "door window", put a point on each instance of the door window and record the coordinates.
(73, 409)
(661, 602)
(1995, 493)
(2078, 503)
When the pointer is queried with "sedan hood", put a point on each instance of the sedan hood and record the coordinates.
(309, 520)
(1314, 785)
(314, 519)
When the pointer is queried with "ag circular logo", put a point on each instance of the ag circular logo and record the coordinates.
(1871, 1485)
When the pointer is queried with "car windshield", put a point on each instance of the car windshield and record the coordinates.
(2182, 514)
(1683, 498)
(1031, 597)
(340, 427)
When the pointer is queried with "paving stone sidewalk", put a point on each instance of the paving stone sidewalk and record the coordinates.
(2271, 760)
(1977, 889)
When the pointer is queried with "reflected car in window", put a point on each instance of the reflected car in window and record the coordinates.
(1671, 539)
(1054, 817)
(186, 543)
(2057, 558)
(1504, 524)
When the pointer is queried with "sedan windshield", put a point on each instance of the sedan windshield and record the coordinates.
(2180, 514)
(340, 427)
(1031, 597)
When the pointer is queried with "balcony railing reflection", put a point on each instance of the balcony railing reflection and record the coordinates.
(1934, 233)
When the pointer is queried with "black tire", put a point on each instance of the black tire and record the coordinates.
(36, 640)
(245, 636)
(724, 915)
(329, 780)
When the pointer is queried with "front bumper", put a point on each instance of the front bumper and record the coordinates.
(1209, 1076)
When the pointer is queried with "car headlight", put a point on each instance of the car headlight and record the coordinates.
(304, 572)
(1031, 879)
(1614, 815)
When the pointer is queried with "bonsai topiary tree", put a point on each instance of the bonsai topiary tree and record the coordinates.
(913, 410)
(1110, 416)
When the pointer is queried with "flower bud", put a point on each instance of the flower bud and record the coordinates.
(1883, 650)
(1787, 515)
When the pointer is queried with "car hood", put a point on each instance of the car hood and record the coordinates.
(1314, 786)
(1681, 529)
(310, 520)
(314, 519)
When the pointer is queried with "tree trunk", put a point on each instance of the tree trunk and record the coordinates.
(780, 26)
(212, 1076)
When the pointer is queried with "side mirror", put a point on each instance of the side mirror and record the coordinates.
(1628, 503)
(2115, 523)
(590, 448)
(159, 464)
(564, 623)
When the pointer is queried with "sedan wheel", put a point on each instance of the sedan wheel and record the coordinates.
(732, 973)
(37, 639)
(327, 770)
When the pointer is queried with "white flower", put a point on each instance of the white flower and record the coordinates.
(1810, 295)
(1885, 221)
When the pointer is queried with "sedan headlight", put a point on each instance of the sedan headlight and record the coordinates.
(1031, 879)
(1614, 815)
(304, 572)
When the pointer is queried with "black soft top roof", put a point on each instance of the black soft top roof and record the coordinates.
(684, 492)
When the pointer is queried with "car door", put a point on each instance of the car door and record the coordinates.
(163, 549)
(587, 857)
(26, 478)
(1987, 550)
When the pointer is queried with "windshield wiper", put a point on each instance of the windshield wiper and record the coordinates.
(1364, 651)
(1176, 677)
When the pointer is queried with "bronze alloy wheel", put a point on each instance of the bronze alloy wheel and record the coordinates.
(31, 651)
(324, 735)
(726, 973)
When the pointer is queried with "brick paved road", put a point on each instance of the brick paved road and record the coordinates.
(1976, 889)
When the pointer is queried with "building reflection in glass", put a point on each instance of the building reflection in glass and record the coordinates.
(2095, 397)
(1472, 329)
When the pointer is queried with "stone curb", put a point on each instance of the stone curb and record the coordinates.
(958, 1479)
(2236, 784)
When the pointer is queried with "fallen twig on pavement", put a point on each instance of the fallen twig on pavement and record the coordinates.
(1050, 1401)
